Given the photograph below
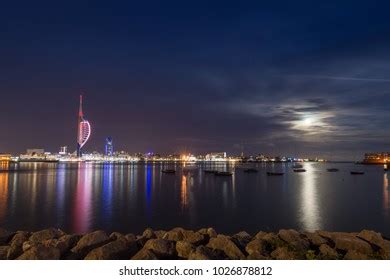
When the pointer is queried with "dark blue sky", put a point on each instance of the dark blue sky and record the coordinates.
(279, 77)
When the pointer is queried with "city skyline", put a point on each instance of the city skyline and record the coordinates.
(259, 78)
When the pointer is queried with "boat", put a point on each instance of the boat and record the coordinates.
(357, 172)
(168, 171)
(223, 173)
(251, 170)
(299, 170)
(275, 173)
(333, 169)
(297, 166)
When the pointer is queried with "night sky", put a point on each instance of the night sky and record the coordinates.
(306, 78)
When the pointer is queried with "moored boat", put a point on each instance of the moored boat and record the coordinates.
(299, 170)
(333, 169)
(357, 172)
(210, 171)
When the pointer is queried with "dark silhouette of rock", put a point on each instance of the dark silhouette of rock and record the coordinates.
(119, 249)
(145, 254)
(41, 252)
(46, 234)
(161, 247)
(89, 242)
(225, 244)
(184, 249)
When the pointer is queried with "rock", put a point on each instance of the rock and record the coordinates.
(334, 235)
(161, 247)
(41, 252)
(376, 239)
(256, 247)
(64, 243)
(184, 249)
(160, 233)
(50, 233)
(225, 244)
(261, 235)
(194, 237)
(294, 239)
(27, 245)
(315, 238)
(257, 256)
(328, 253)
(116, 235)
(149, 233)
(241, 239)
(354, 255)
(89, 242)
(17, 244)
(130, 237)
(211, 232)
(205, 253)
(173, 235)
(283, 253)
(4, 252)
(272, 240)
(119, 249)
(5, 236)
(145, 254)
(347, 243)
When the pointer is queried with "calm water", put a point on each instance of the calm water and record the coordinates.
(128, 198)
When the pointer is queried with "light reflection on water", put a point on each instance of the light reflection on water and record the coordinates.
(85, 196)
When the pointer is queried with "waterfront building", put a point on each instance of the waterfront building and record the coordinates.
(216, 156)
(84, 129)
(5, 157)
(63, 150)
(376, 158)
(109, 148)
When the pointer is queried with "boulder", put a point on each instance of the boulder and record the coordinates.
(130, 237)
(225, 244)
(41, 252)
(4, 252)
(5, 236)
(89, 242)
(195, 238)
(205, 253)
(256, 247)
(184, 249)
(283, 253)
(328, 253)
(257, 256)
(355, 255)
(144, 254)
(160, 233)
(50, 233)
(377, 240)
(161, 247)
(149, 233)
(173, 235)
(119, 249)
(347, 243)
(271, 239)
(211, 232)
(315, 238)
(16, 244)
(241, 239)
(294, 239)
(64, 243)
(116, 235)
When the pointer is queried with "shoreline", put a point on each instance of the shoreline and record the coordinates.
(203, 244)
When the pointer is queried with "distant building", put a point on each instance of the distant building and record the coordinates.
(376, 158)
(5, 157)
(109, 149)
(63, 150)
(35, 152)
(216, 156)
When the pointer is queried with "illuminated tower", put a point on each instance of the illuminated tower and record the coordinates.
(109, 147)
(84, 130)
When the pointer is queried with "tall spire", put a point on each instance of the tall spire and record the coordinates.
(81, 115)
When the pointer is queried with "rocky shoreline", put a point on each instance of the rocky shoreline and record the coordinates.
(204, 244)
